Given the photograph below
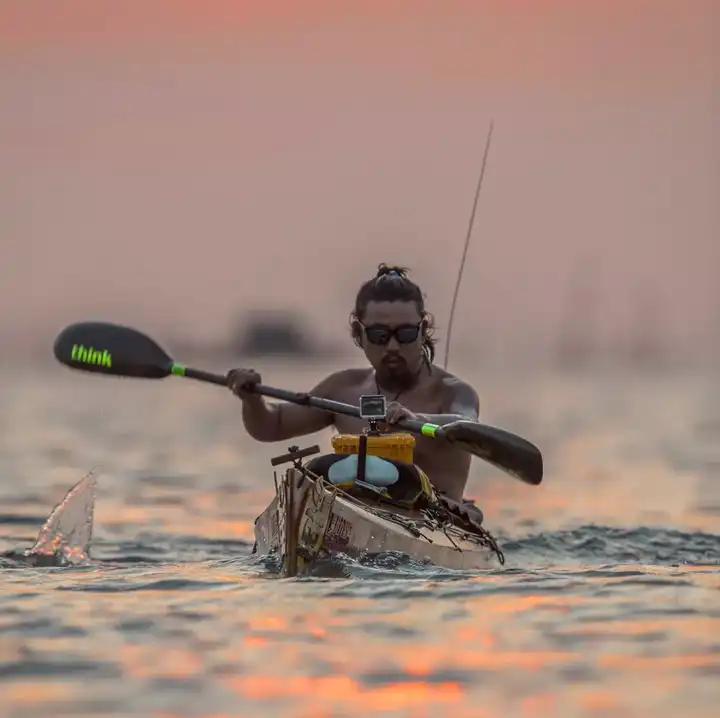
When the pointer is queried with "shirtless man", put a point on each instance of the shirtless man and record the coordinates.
(390, 324)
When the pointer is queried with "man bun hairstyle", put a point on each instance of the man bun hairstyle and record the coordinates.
(385, 271)
(392, 284)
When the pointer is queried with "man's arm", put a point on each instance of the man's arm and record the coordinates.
(460, 402)
(282, 421)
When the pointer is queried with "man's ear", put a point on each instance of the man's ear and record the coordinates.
(356, 330)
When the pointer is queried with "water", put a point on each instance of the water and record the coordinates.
(609, 604)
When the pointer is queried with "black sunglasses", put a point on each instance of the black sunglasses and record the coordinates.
(381, 334)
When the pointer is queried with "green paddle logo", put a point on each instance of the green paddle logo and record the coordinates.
(90, 355)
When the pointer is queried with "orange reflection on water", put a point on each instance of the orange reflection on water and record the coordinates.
(446, 656)
(222, 529)
(481, 642)
(32, 693)
(342, 689)
(599, 700)
(183, 519)
(267, 623)
(528, 602)
(148, 661)
(539, 705)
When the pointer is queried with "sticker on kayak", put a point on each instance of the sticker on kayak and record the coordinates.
(337, 536)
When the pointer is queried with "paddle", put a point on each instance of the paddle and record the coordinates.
(116, 350)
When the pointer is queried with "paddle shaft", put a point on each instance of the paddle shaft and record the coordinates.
(298, 397)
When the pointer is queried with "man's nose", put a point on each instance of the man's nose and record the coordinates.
(393, 344)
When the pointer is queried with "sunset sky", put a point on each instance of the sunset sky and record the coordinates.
(159, 157)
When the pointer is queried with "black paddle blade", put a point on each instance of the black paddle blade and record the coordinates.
(111, 349)
(502, 449)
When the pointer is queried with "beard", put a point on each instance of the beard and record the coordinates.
(394, 374)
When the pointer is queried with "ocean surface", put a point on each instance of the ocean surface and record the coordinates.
(608, 605)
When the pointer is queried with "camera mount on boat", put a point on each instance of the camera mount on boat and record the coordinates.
(373, 408)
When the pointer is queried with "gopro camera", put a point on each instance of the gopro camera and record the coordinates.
(373, 407)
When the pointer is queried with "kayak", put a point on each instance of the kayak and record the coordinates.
(370, 507)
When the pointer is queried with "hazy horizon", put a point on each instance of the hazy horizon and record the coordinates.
(170, 165)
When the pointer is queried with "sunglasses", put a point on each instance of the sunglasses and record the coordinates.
(381, 334)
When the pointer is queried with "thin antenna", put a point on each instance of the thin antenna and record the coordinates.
(467, 242)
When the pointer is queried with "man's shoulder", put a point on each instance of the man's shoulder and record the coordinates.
(457, 392)
(453, 382)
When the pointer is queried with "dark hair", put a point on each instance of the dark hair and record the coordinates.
(391, 284)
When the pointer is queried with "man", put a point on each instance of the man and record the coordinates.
(390, 324)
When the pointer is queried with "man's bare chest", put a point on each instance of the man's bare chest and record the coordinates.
(425, 399)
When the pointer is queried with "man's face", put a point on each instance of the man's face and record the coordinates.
(391, 334)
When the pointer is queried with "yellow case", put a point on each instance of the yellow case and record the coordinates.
(400, 446)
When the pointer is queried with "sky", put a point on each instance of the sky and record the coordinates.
(170, 164)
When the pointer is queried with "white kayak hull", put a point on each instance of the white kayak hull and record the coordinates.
(310, 518)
